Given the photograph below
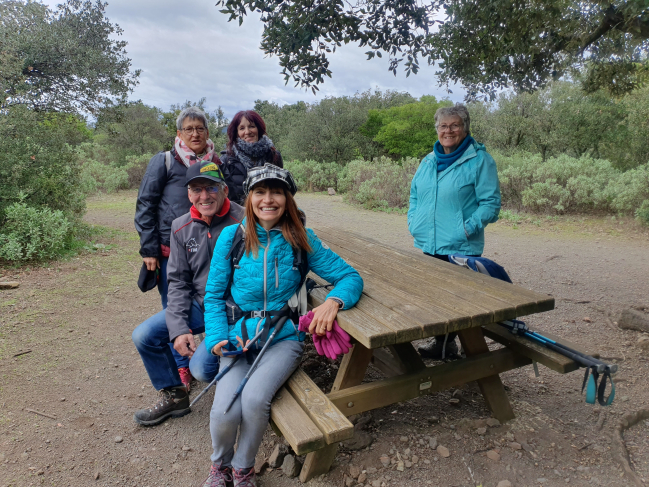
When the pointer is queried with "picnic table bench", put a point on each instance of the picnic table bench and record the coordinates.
(407, 297)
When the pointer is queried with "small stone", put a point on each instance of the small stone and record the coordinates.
(277, 457)
(291, 467)
(406, 451)
(408, 463)
(24, 455)
(376, 483)
(400, 466)
(493, 422)
(504, 483)
(454, 401)
(433, 420)
(403, 439)
(493, 455)
(331, 192)
(426, 461)
(118, 439)
(261, 464)
(415, 459)
(624, 398)
(541, 480)
(587, 319)
(63, 399)
(481, 431)
(371, 470)
(443, 451)
(96, 474)
(354, 471)
(349, 481)
(515, 446)
(362, 478)
(187, 448)
(643, 342)
(385, 460)
(527, 447)
(432, 443)
(567, 480)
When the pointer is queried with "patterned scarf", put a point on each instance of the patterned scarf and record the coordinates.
(189, 158)
(251, 153)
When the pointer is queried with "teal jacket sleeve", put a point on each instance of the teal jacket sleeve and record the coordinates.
(487, 192)
(412, 207)
(216, 320)
(348, 284)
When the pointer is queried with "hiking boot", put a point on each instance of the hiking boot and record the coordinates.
(185, 377)
(244, 477)
(218, 477)
(434, 347)
(172, 403)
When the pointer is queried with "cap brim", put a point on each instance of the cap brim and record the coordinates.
(204, 176)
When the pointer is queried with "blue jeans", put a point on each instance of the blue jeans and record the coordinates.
(163, 289)
(151, 339)
(250, 412)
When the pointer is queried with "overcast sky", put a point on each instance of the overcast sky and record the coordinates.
(186, 50)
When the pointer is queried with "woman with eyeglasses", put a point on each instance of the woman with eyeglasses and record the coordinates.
(163, 197)
(248, 146)
(454, 194)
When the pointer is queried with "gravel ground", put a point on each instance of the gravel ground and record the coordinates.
(75, 318)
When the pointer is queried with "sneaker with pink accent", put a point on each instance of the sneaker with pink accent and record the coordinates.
(185, 377)
(244, 477)
(219, 476)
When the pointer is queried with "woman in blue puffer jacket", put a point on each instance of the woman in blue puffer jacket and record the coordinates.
(454, 194)
(264, 280)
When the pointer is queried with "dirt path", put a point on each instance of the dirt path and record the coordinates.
(76, 318)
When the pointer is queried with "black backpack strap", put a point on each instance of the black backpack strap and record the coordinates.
(234, 255)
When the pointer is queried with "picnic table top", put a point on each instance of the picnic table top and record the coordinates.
(408, 297)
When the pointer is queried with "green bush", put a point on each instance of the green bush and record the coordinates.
(100, 173)
(642, 213)
(314, 176)
(629, 190)
(135, 169)
(37, 166)
(381, 183)
(33, 234)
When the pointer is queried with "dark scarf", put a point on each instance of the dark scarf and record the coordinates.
(445, 160)
(250, 153)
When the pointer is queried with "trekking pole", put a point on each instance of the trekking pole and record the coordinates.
(220, 375)
(278, 327)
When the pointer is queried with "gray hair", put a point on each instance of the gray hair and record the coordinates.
(193, 113)
(459, 110)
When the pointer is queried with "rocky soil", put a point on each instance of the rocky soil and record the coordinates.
(71, 378)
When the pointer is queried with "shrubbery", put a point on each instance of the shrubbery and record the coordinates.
(100, 173)
(33, 234)
(559, 185)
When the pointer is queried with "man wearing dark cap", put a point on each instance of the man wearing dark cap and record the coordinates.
(193, 236)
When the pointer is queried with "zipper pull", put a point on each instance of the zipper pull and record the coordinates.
(209, 235)
(276, 274)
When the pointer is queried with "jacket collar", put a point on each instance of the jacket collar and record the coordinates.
(216, 219)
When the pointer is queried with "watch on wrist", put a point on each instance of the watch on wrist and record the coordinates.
(339, 301)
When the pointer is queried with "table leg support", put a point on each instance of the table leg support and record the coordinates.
(351, 373)
(318, 462)
(492, 388)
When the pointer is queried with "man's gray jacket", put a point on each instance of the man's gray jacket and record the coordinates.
(192, 244)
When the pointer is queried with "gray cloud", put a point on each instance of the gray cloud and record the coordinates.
(188, 50)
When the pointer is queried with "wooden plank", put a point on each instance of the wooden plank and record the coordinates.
(373, 395)
(524, 300)
(333, 424)
(383, 360)
(318, 462)
(406, 327)
(533, 350)
(294, 424)
(398, 360)
(492, 388)
(352, 367)
(436, 296)
(366, 330)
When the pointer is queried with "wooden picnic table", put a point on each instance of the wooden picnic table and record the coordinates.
(407, 297)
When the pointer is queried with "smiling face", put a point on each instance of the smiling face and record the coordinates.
(205, 200)
(450, 131)
(194, 134)
(268, 204)
(247, 131)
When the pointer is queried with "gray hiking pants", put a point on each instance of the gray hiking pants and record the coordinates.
(251, 410)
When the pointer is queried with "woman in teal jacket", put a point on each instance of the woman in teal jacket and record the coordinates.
(264, 280)
(454, 194)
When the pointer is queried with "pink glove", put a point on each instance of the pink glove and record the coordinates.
(305, 321)
(333, 343)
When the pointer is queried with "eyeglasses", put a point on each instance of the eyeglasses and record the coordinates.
(210, 189)
(190, 130)
(453, 127)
